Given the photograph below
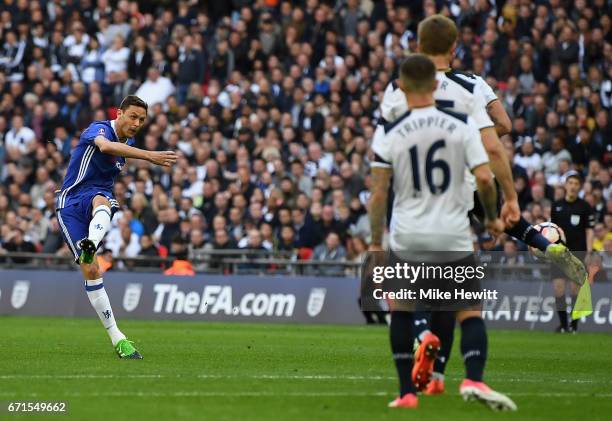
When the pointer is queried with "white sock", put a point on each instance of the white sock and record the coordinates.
(100, 224)
(100, 302)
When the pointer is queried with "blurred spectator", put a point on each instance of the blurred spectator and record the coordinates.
(529, 159)
(92, 64)
(487, 247)
(17, 243)
(358, 250)
(180, 266)
(140, 60)
(122, 241)
(155, 89)
(115, 60)
(53, 239)
(330, 251)
(287, 240)
(191, 68)
(19, 140)
(222, 241)
(551, 158)
(148, 249)
(105, 260)
(601, 235)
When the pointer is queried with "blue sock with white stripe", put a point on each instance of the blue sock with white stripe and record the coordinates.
(100, 302)
(100, 224)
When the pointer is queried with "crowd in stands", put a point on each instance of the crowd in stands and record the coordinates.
(272, 105)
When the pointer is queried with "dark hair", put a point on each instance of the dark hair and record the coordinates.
(418, 73)
(133, 100)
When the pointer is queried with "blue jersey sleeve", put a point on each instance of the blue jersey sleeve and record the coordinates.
(95, 130)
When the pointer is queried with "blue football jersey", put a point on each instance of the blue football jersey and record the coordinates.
(89, 168)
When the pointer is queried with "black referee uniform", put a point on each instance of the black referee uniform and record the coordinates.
(574, 218)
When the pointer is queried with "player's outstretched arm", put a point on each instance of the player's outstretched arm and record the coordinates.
(488, 197)
(378, 203)
(500, 117)
(500, 166)
(163, 158)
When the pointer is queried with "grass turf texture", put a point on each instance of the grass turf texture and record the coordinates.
(256, 371)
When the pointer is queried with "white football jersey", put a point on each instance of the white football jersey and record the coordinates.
(486, 90)
(458, 92)
(428, 149)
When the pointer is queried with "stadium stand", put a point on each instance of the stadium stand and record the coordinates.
(272, 105)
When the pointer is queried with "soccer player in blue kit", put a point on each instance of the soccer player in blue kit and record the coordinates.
(85, 204)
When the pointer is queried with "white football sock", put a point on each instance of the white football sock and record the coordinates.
(100, 302)
(100, 224)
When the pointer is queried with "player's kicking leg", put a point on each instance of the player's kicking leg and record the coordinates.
(84, 250)
(474, 350)
(559, 254)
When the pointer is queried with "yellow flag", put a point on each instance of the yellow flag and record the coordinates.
(584, 305)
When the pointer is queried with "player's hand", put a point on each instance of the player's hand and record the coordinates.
(377, 255)
(375, 247)
(495, 226)
(163, 158)
(510, 213)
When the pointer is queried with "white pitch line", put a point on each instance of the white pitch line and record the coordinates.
(82, 376)
(195, 393)
(562, 394)
(271, 377)
(298, 377)
(204, 394)
(200, 376)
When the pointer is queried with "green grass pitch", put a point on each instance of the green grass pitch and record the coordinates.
(218, 371)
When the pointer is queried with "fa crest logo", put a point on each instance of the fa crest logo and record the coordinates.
(106, 314)
(131, 298)
(315, 301)
(99, 226)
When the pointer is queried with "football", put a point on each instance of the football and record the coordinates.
(552, 232)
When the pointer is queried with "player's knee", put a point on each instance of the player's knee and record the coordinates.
(100, 201)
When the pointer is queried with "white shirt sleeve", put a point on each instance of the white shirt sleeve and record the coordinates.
(386, 108)
(381, 145)
(486, 90)
(474, 151)
(479, 112)
(393, 104)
